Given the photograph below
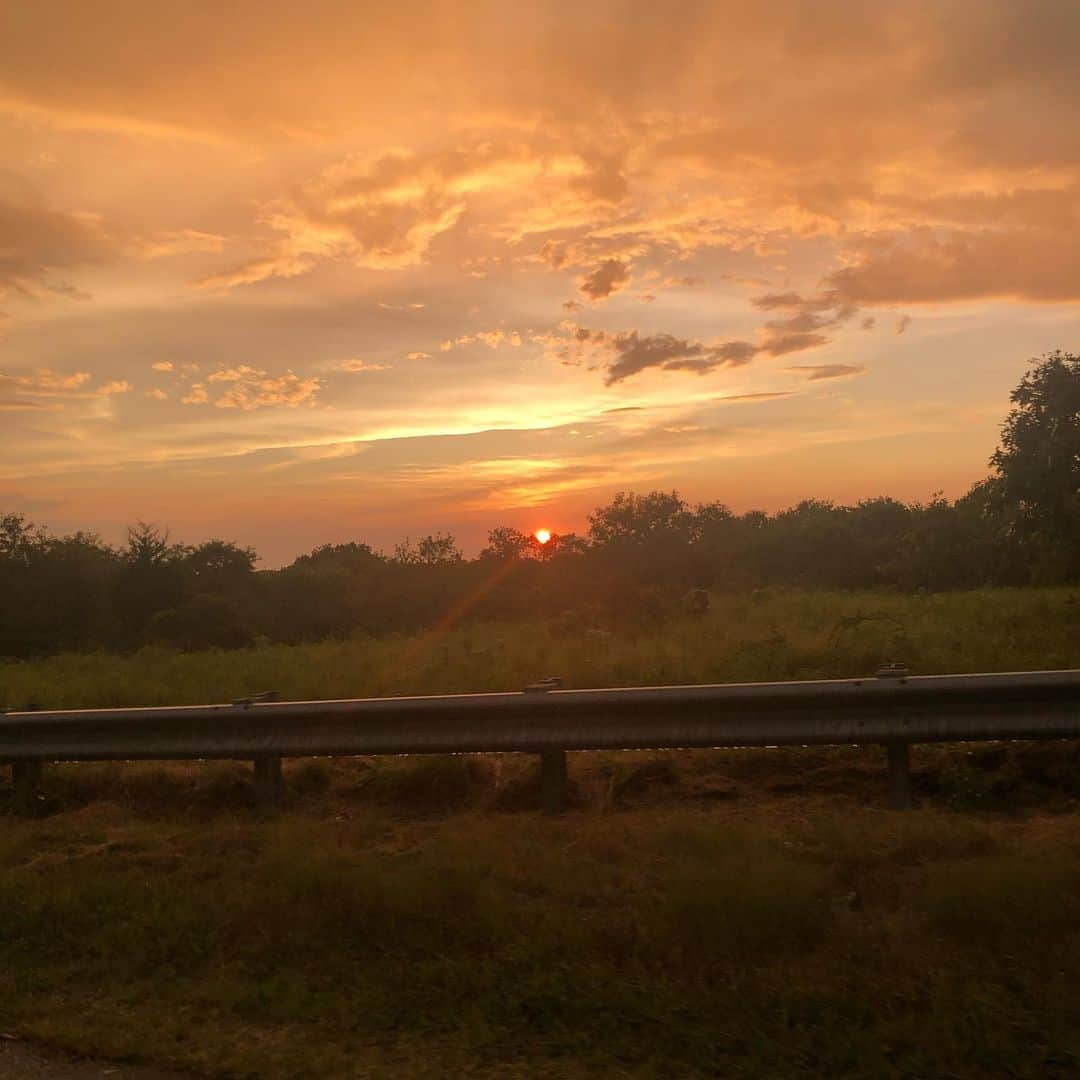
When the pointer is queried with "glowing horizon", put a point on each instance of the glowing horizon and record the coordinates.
(486, 265)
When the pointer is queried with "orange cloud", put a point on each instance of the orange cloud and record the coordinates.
(628, 353)
(252, 388)
(928, 267)
(360, 365)
(38, 241)
(115, 386)
(609, 277)
(46, 382)
(491, 338)
(177, 242)
(828, 371)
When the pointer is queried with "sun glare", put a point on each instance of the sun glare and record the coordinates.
(542, 535)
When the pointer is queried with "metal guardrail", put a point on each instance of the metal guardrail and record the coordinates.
(891, 709)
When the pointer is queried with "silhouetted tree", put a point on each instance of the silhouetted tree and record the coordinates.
(1038, 464)
(433, 550)
(151, 578)
(218, 566)
(632, 518)
(352, 556)
(506, 542)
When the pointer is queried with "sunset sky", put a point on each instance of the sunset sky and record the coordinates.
(291, 273)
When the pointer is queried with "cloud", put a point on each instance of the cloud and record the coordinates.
(235, 374)
(46, 390)
(360, 365)
(116, 386)
(764, 396)
(491, 338)
(385, 213)
(805, 318)
(37, 241)
(555, 253)
(930, 266)
(903, 323)
(45, 382)
(685, 282)
(252, 388)
(882, 66)
(609, 277)
(626, 354)
(828, 371)
(418, 356)
(17, 404)
(248, 388)
(782, 344)
(177, 242)
(400, 307)
(251, 273)
(162, 365)
(158, 394)
(779, 301)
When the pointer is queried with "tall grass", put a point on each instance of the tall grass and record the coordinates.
(762, 636)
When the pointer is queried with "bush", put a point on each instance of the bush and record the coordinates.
(204, 622)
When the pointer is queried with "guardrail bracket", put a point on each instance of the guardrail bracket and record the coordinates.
(26, 777)
(900, 797)
(269, 785)
(554, 781)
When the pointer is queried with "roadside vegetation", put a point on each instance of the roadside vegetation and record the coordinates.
(749, 913)
(768, 634)
(724, 913)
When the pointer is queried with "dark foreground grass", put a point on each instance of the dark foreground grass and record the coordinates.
(696, 915)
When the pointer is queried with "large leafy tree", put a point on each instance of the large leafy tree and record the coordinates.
(218, 566)
(151, 577)
(633, 518)
(1037, 466)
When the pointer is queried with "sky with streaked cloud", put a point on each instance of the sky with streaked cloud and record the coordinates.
(295, 273)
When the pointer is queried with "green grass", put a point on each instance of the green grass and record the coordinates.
(763, 636)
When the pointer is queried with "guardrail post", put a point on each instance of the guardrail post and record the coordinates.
(269, 784)
(26, 777)
(553, 781)
(900, 775)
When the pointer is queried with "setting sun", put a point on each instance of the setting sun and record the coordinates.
(542, 535)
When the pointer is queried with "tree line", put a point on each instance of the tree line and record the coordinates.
(640, 558)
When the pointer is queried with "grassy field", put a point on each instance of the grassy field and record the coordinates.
(768, 635)
(718, 913)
